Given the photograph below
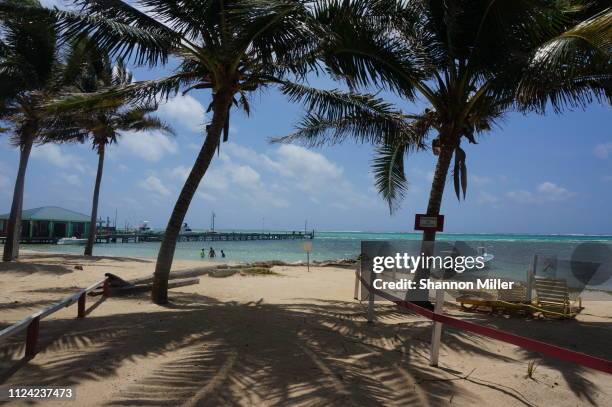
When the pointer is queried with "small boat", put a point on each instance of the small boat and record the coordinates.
(71, 240)
(185, 228)
(487, 258)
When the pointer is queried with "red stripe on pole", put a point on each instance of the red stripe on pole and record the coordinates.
(81, 306)
(583, 359)
(32, 337)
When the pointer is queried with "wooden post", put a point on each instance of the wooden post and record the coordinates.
(81, 305)
(531, 272)
(371, 296)
(32, 337)
(436, 334)
(105, 288)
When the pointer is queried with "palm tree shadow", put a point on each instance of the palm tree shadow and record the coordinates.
(568, 334)
(200, 351)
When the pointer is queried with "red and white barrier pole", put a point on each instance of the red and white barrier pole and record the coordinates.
(436, 333)
(32, 337)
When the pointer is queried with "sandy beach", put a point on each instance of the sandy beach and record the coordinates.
(296, 338)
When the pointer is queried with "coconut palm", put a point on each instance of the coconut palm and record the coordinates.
(28, 67)
(470, 62)
(88, 71)
(229, 48)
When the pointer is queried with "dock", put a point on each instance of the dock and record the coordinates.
(142, 237)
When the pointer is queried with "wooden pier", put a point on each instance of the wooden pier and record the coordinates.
(140, 237)
(203, 237)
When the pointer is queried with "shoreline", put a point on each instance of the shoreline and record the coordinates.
(341, 262)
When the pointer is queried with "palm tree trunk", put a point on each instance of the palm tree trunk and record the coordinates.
(433, 209)
(13, 231)
(437, 188)
(221, 103)
(91, 237)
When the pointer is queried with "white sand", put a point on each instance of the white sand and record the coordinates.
(294, 339)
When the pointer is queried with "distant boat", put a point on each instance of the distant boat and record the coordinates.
(185, 228)
(487, 258)
(72, 240)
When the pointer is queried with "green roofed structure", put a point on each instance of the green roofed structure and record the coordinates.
(49, 222)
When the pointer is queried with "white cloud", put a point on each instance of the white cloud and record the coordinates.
(150, 146)
(299, 172)
(545, 192)
(275, 179)
(155, 185)
(485, 198)
(553, 191)
(245, 175)
(479, 181)
(309, 171)
(180, 173)
(206, 197)
(603, 150)
(53, 154)
(184, 111)
(71, 179)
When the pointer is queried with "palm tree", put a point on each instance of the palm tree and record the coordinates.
(471, 62)
(231, 48)
(28, 66)
(89, 71)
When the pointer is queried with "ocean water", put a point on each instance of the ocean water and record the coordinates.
(514, 253)
(334, 245)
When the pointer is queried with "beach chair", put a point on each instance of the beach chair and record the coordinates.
(508, 301)
(553, 298)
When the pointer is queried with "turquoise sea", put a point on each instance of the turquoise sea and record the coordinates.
(513, 252)
(326, 245)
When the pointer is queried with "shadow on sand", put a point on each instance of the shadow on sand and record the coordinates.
(567, 333)
(227, 353)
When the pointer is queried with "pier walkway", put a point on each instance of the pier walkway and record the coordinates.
(138, 237)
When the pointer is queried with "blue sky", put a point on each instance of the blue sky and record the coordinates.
(534, 174)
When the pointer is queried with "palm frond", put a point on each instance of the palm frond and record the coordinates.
(389, 175)
(136, 92)
(137, 42)
(460, 173)
(138, 119)
(572, 68)
(334, 115)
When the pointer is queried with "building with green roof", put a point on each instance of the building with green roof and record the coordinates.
(49, 222)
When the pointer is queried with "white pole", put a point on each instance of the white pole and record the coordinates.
(436, 334)
(371, 296)
(531, 272)
(357, 281)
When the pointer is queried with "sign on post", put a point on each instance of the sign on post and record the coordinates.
(429, 222)
(308, 249)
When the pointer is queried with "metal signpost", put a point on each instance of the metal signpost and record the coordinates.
(308, 249)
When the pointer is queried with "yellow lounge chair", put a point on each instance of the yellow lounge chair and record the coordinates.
(553, 299)
(512, 300)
